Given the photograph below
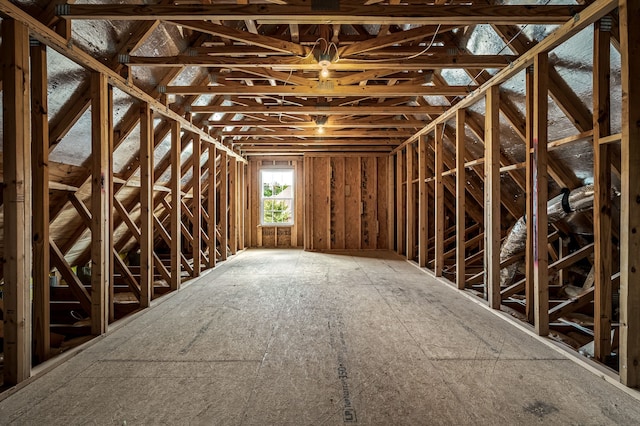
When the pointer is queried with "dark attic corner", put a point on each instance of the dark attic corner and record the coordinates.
(473, 162)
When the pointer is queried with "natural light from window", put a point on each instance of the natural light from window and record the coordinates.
(276, 197)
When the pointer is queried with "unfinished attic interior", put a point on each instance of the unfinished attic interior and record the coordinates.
(494, 145)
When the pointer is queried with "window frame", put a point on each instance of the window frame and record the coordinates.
(277, 169)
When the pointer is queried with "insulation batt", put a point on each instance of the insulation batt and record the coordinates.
(580, 199)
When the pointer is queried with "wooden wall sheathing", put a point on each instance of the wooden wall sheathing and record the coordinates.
(349, 202)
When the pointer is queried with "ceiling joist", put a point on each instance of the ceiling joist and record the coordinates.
(350, 14)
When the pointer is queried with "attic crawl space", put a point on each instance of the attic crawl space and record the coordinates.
(495, 144)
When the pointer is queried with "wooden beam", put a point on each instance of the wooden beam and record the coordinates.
(411, 204)
(301, 14)
(251, 39)
(288, 64)
(362, 140)
(233, 206)
(212, 206)
(461, 184)
(223, 223)
(146, 204)
(377, 134)
(320, 110)
(539, 194)
(529, 206)
(196, 207)
(330, 124)
(72, 280)
(629, 351)
(176, 206)
(100, 193)
(492, 198)
(572, 305)
(40, 177)
(324, 90)
(16, 201)
(393, 39)
(400, 204)
(602, 260)
(423, 205)
(439, 200)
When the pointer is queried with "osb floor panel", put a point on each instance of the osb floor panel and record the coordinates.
(295, 338)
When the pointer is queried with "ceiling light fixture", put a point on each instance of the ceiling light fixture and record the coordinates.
(321, 120)
(324, 60)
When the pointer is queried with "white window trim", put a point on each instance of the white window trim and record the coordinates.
(293, 194)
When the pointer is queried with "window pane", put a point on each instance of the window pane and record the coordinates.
(277, 196)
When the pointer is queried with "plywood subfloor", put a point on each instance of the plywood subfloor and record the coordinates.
(285, 337)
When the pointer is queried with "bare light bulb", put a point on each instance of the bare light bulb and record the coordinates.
(324, 73)
(320, 129)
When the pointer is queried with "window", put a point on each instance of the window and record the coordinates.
(276, 197)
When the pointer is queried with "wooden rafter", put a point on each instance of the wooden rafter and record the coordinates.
(352, 14)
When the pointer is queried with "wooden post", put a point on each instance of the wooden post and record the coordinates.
(630, 203)
(539, 194)
(401, 206)
(16, 201)
(233, 205)
(111, 307)
(146, 205)
(224, 205)
(176, 206)
(211, 225)
(100, 194)
(602, 259)
(391, 205)
(529, 290)
(411, 205)
(461, 184)
(242, 207)
(439, 200)
(196, 206)
(423, 241)
(40, 176)
(492, 198)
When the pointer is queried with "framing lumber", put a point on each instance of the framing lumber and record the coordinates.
(100, 195)
(540, 194)
(602, 261)
(492, 198)
(72, 280)
(461, 183)
(40, 179)
(423, 205)
(233, 207)
(196, 207)
(439, 213)
(176, 206)
(529, 206)
(629, 350)
(251, 39)
(411, 203)
(212, 206)
(17, 201)
(400, 204)
(326, 90)
(223, 220)
(327, 110)
(146, 204)
(348, 14)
